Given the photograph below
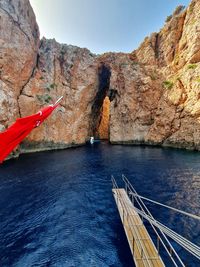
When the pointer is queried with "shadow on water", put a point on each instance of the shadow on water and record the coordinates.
(57, 208)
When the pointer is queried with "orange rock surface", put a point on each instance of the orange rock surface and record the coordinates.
(154, 91)
(105, 120)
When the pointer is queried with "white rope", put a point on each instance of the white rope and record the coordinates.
(59, 99)
(188, 245)
(185, 243)
(160, 239)
(169, 207)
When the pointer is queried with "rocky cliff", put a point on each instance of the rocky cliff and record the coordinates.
(175, 53)
(19, 43)
(159, 100)
(153, 92)
(67, 71)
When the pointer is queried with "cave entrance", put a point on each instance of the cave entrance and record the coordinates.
(101, 106)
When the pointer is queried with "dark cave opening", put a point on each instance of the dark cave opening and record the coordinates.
(101, 105)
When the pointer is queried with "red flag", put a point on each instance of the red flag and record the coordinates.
(20, 129)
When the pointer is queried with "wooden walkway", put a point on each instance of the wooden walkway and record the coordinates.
(142, 247)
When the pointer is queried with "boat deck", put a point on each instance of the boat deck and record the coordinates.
(142, 247)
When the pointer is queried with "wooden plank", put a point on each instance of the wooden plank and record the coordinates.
(142, 247)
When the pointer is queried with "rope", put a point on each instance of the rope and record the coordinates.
(186, 244)
(189, 246)
(197, 217)
(141, 203)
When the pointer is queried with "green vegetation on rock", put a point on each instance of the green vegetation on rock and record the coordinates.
(51, 86)
(168, 84)
(177, 11)
(192, 66)
(44, 98)
(168, 18)
(198, 80)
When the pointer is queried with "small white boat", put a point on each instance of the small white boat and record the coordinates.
(91, 140)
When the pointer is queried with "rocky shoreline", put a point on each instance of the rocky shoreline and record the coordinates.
(154, 91)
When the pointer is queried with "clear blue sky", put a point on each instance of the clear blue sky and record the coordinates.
(102, 25)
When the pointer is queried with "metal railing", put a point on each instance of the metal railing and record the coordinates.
(161, 231)
(139, 245)
(171, 252)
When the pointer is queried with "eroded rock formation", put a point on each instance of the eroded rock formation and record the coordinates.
(158, 87)
(19, 42)
(154, 92)
(61, 70)
(177, 56)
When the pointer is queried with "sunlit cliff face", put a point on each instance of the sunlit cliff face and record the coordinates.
(103, 130)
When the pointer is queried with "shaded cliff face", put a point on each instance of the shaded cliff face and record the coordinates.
(97, 107)
(153, 92)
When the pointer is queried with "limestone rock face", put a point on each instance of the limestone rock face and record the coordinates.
(66, 71)
(177, 117)
(157, 86)
(134, 96)
(154, 92)
(19, 42)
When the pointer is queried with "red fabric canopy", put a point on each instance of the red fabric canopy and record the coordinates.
(20, 129)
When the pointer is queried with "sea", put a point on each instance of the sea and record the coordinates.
(57, 207)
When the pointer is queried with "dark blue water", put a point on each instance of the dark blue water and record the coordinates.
(57, 209)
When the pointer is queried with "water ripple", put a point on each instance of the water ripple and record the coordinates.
(57, 209)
